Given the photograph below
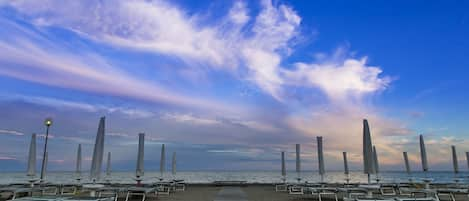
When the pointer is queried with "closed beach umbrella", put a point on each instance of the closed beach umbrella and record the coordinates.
(32, 157)
(375, 161)
(367, 150)
(78, 163)
(467, 159)
(298, 162)
(423, 154)
(162, 161)
(108, 165)
(173, 164)
(455, 160)
(406, 162)
(284, 171)
(97, 160)
(139, 171)
(320, 158)
(346, 171)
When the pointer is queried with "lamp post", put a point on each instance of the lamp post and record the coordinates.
(47, 123)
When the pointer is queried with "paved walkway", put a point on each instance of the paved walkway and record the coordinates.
(231, 194)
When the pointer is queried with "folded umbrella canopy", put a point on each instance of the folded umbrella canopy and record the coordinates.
(346, 171)
(320, 158)
(367, 151)
(139, 170)
(162, 162)
(298, 162)
(173, 165)
(423, 154)
(31, 172)
(284, 171)
(455, 160)
(78, 164)
(97, 160)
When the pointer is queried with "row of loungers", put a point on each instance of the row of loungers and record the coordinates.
(379, 192)
(108, 190)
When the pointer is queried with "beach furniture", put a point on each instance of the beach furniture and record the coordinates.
(295, 190)
(111, 192)
(143, 191)
(329, 193)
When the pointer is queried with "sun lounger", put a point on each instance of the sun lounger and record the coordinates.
(143, 191)
(295, 190)
(281, 187)
(111, 191)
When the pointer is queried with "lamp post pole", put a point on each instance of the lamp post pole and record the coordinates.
(48, 123)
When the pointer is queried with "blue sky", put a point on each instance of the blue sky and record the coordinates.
(234, 83)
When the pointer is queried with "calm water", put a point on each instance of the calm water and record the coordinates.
(249, 176)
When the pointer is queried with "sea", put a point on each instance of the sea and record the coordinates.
(202, 177)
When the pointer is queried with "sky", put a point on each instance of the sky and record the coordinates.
(228, 85)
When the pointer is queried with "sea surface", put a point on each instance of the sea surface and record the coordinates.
(248, 176)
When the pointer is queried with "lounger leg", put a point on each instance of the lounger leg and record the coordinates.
(127, 197)
(319, 197)
(143, 198)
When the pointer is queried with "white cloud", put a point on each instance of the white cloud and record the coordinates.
(11, 132)
(80, 106)
(348, 79)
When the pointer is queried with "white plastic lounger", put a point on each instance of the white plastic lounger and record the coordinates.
(17, 191)
(143, 191)
(295, 190)
(111, 191)
(281, 187)
(417, 199)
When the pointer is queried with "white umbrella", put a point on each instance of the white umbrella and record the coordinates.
(320, 158)
(139, 171)
(162, 162)
(367, 150)
(97, 160)
(298, 162)
(78, 164)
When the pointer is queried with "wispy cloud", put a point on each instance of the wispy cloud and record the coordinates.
(11, 132)
(161, 27)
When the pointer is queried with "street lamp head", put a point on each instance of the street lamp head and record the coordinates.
(48, 122)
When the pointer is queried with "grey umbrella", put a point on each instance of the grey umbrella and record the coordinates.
(139, 170)
(162, 162)
(97, 160)
(423, 154)
(298, 162)
(320, 158)
(455, 160)
(173, 165)
(375, 164)
(284, 171)
(467, 159)
(367, 150)
(108, 165)
(78, 164)
(346, 171)
(406, 162)
(31, 172)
